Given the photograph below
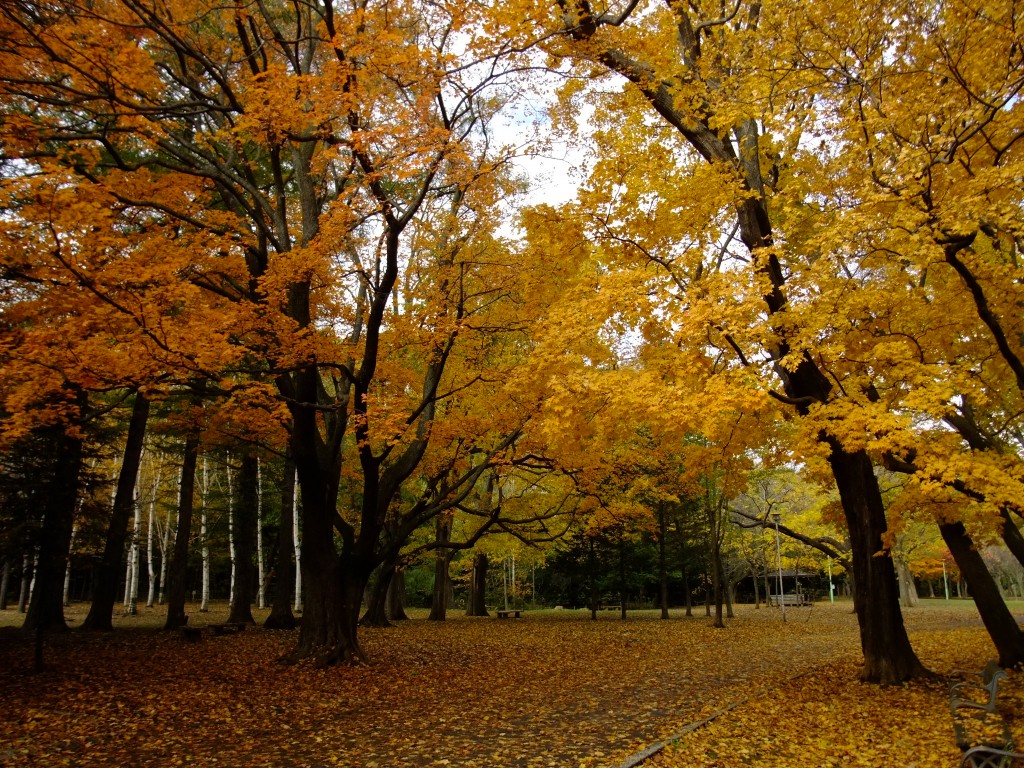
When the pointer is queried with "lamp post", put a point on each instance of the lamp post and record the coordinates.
(778, 555)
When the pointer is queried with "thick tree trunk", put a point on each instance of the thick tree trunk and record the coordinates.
(439, 601)
(477, 603)
(888, 655)
(1002, 627)
(396, 597)
(46, 610)
(281, 616)
(376, 608)
(1012, 537)
(246, 519)
(178, 570)
(908, 590)
(105, 579)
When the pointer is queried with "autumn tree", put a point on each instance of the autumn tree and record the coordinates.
(724, 254)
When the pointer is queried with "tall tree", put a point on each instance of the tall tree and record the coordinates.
(109, 571)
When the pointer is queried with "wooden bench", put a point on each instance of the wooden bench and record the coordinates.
(513, 613)
(192, 634)
(982, 733)
(797, 600)
(228, 628)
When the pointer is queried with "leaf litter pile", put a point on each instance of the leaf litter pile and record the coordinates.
(550, 689)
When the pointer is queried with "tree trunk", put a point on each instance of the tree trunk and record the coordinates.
(376, 608)
(888, 655)
(246, 519)
(717, 587)
(107, 573)
(27, 576)
(150, 535)
(476, 605)
(757, 589)
(908, 590)
(623, 592)
(5, 583)
(281, 616)
(686, 589)
(1012, 537)
(261, 584)
(662, 566)
(178, 570)
(1000, 623)
(592, 572)
(439, 602)
(46, 611)
(396, 597)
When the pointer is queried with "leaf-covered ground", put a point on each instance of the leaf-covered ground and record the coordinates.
(550, 689)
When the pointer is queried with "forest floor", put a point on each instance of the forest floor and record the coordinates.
(550, 689)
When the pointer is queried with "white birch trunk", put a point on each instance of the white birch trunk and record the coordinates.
(231, 528)
(131, 608)
(204, 604)
(261, 592)
(150, 567)
(297, 539)
(67, 571)
(164, 548)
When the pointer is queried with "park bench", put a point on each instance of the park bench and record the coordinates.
(797, 600)
(513, 613)
(228, 628)
(982, 733)
(192, 634)
(989, 682)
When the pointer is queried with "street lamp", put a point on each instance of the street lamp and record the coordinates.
(778, 555)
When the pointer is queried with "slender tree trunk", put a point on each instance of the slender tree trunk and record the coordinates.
(5, 583)
(623, 591)
(888, 655)
(686, 589)
(757, 590)
(297, 546)
(246, 519)
(232, 553)
(281, 616)
(261, 586)
(132, 582)
(662, 566)
(27, 577)
(165, 549)
(1000, 623)
(593, 580)
(442, 559)
(477, 603)
(178, 571)
(204, 551)
(150, 535)
(46, 611)
(717, 587)
(104, 595)
(67, 571)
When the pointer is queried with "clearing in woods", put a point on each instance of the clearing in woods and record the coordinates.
(550, 689)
